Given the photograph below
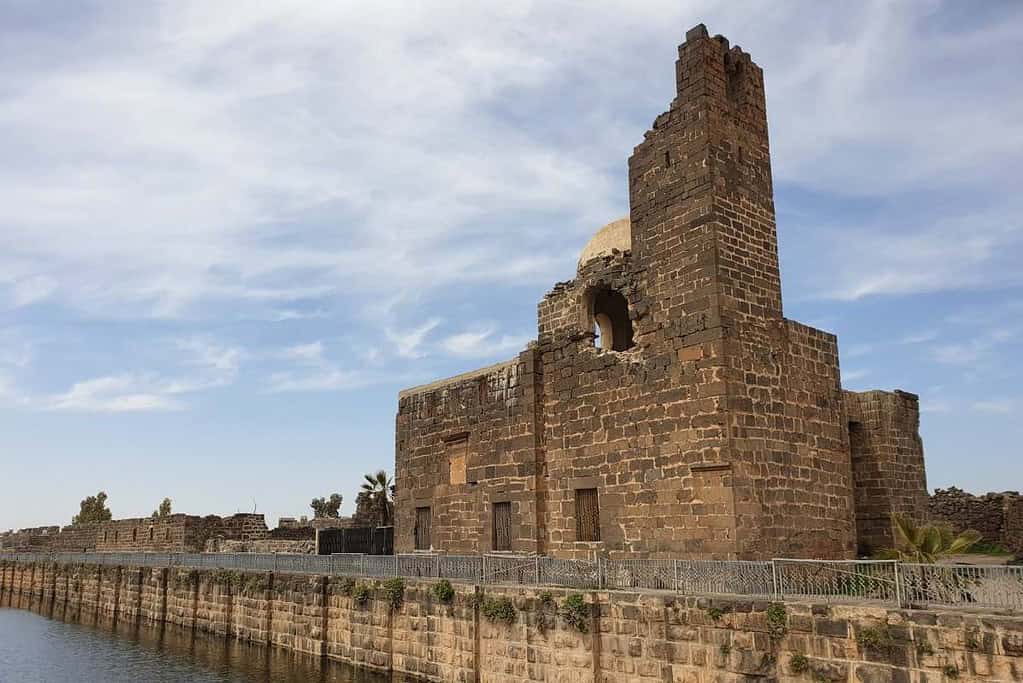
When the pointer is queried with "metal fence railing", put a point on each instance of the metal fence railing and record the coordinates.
(860, 581)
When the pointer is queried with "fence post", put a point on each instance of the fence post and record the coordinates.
(436, 566)
(363, 563)
(483, 572)
(898, 585)
(537, 570)
(675, 567)
(395, 565)
(774, 579)
(600, 574)
(275, 563)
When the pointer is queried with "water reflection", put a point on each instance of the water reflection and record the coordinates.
(48, 640)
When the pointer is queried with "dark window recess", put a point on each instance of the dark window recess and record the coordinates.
(422, 530)
(502, 526)
(612, 326)
(134, 535)
(151, 532)
(587, 515)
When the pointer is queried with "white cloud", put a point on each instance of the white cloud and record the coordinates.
(329, 378)
(116, 394)
(305, 354)
(995, 407)
(408, 342)
(481, 342)
(974, 351)
(32, 289)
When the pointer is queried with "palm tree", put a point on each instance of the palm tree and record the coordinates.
(927, 543)
(379, 489)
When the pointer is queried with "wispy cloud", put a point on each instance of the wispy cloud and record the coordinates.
(482, 341)
(312, 371)
(116, 394)
(408, 343)
(972, 351)
(996, 407)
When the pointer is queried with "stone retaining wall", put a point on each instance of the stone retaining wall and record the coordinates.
(612, 637)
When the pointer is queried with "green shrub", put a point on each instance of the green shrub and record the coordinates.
(498, 609)
(347, 586)
(725, 649)
(799, 664)
(951, 672)
(227, 577)
(256, 582)
(576, 612)
(877, 640)
(361, 593)
(394, 591)
(715, 613)
(546, 599)
(777, 620)
(924, 648)
(444, 591)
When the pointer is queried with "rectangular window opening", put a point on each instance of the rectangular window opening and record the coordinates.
(422, 529)
(502, 526)
(457, 452)
(587, 515)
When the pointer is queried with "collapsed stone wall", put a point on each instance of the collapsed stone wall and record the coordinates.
(998, 517)
(173, 533)
(536, 634)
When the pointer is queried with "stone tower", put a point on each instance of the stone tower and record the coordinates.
(667, 407)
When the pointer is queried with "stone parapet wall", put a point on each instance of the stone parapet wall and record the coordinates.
(610, 637)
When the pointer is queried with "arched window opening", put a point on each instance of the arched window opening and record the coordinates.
(612, 327)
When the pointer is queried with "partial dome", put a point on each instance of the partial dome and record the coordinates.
(614, 235)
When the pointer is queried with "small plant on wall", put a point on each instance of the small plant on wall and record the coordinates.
(361, 594)
(498, 609)
(875, 639)
(547, 615)
(576, 613)
(799, 664)
(347, 586)
(444, 591)
(394, 591)
(777, 620)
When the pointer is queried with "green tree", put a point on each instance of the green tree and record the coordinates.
(327, 507)
(164, 510)
(380, 491)
(93, 509)
(927, 543)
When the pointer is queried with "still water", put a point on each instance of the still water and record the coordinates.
(45, 645)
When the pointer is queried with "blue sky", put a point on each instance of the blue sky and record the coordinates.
(231, 232)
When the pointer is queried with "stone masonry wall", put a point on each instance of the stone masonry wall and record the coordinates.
(888, 463)
(997, 516)
(174, 533)
(615, 637)
(722, 432)
(495, 410)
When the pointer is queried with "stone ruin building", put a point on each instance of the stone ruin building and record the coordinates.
(667, 408)
(171, 534)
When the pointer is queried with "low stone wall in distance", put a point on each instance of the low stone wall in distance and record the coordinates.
(997, 516)
(518, 634)
(270, 545)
